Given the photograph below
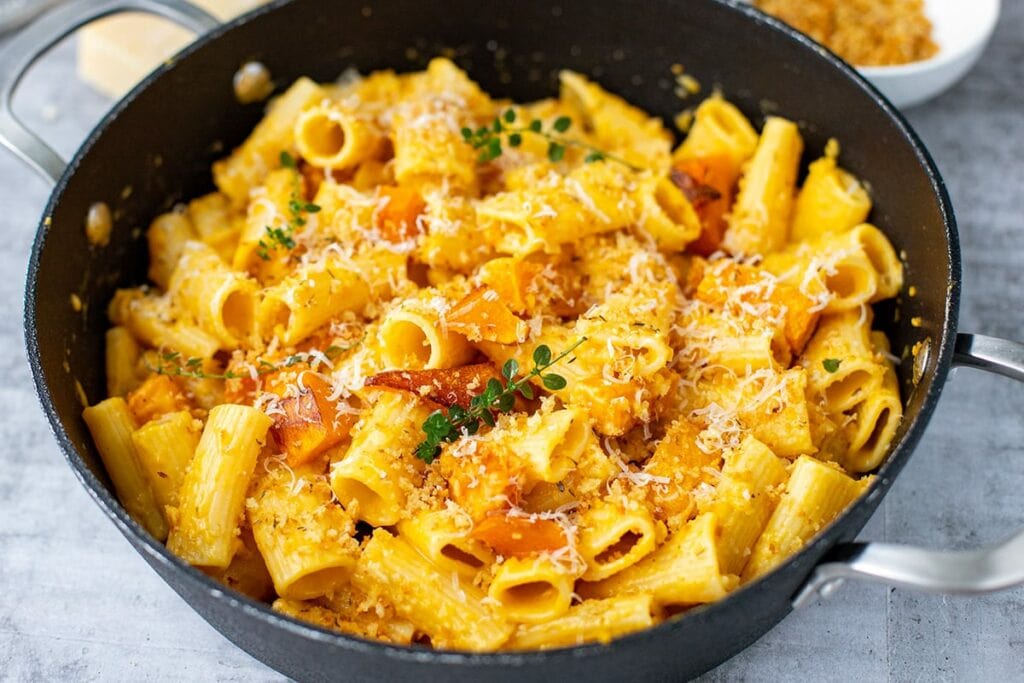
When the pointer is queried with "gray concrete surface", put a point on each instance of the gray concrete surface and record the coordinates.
(77, 603)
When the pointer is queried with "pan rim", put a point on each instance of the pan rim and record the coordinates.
(829, 537)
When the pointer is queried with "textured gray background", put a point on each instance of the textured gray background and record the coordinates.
(77, 603)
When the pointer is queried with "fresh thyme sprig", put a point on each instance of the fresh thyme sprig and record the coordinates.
(297, 206)
(172, 363)
(443, 427)
(488, 139)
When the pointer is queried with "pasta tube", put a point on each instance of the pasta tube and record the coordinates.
(304, 536)
(222, 301)
(111, 427)
(415, 336)
(213, 493)
(165, 447)
(830, 201)
(816, 493)
(840, 361)
(443, 538)
(883, 258)
(590, 621)
(745, 499)
(249, 164)
(877, 419)
(531, 590)
(449, 611)
(167, 237)
(122, 357)
(719, 129)
(374, 476)
(335, 139)
(296, 307)
(615, 536)
(759, 223)
(151, 320)
(684, 570)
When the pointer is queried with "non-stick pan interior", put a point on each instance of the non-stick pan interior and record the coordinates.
(156, 147)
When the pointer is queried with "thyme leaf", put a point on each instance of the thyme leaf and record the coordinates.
(284, 237)
(173, 364)
(504, 129)
(445, 427)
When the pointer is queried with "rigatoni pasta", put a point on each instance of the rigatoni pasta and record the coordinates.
(760, 218)
(165, 448)
(449, 611)
(306, 542)
(332, 138)
(214, 489)
(433, 368)
(111, 427)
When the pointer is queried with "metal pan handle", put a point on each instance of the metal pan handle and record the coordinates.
(31, 43)
(965, 572)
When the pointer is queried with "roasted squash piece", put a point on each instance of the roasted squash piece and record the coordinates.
(311, 423)
(708, 183)
(800, 321)
(482, 481)
(397, 213)
(483, 316)
(447, 387)
(513, 280)
(157, 396)
(516, 536)
(719, 285)
(678, 459)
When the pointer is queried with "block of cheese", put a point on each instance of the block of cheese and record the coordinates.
(115, 53)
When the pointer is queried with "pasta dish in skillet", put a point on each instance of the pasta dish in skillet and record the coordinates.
(435, 368)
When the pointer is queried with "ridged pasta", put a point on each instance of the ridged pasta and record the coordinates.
(590, 621)
(531, 590)
(719, 128)
(450, 612)
(111, 427)
(374, 476)
(332, 138)
(815, 494)
(213, 492)
(830, 201)
(222, 303)
(304, 536)
(685, 570)
(760, 219)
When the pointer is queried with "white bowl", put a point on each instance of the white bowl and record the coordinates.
(962, 29)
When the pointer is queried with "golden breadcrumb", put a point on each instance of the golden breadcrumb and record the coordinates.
(863, 32)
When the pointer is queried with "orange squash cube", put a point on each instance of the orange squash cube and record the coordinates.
(157, 396)
(311, 423)
(519, 536)
(483, 316)
(397, 211)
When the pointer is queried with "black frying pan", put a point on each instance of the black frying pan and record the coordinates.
(156, 146)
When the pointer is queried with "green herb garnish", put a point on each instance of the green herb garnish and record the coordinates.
(173, 364)
(490, 139)
(443, 427)
(284, 238)
(831, 364)
(288, 161)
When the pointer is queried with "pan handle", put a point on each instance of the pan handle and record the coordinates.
(965, 572)
(32, 42)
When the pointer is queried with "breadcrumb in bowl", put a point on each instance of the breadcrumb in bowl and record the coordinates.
(863, 32)
(909, 55)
